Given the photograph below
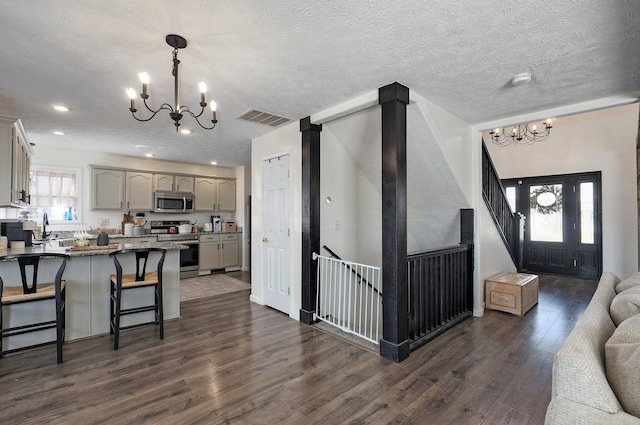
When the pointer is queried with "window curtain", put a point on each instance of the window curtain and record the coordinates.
(53, 189)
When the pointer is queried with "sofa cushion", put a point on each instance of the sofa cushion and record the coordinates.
(625, 305)
(622, 356)
(630, 282)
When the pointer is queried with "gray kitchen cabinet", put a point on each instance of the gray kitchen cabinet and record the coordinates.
(174, 183)
(114, 189)
(107, 189)
(163, 182)
(229, 249)
(226, 195)
(184, 184)
(139, 191)
(209, 252)
(15, 163)
(205, 191)
(215, 194)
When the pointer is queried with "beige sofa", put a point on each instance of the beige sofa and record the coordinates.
(581, 393)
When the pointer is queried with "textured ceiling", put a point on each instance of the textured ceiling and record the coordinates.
(296, 59)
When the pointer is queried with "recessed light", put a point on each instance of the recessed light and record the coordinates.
(185, 131)
(141, 146)
(148, 155)
(61, 108)
(214, 163)
(58, 133)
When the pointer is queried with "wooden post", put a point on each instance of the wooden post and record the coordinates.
(310, 215)
(395, 331)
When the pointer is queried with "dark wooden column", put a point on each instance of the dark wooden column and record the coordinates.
(310, 215)
(395, 332)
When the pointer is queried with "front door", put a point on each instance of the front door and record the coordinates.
(276, 258)
(563, 223)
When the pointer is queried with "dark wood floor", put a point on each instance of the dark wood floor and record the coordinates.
(230, 361)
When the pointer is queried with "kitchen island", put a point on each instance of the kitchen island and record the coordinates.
(87, 284)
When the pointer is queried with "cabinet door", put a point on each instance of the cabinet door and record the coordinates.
(163, 182)
(184, 184)
(17, 168)
(230, 253)
(205, 190)
(20, 171)
(26, 176)
(108, 189)
(139, 191)
(226, 195)
(209, 255)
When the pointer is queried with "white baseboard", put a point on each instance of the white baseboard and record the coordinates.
(256, 300)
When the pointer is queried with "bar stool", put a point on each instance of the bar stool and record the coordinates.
(121, 282)
(33, 293)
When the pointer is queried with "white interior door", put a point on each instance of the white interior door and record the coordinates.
(275, 239)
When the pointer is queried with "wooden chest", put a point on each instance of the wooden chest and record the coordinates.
(514, 293)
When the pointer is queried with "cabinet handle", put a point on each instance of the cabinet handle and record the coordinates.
(120, 204)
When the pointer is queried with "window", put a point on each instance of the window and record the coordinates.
(55, 191)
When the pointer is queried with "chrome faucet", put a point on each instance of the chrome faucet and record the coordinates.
(45, 222)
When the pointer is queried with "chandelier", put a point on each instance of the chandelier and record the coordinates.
(176, 111)
(521, 134)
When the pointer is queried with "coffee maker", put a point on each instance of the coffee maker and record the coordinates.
(18, 231)
(217, 223)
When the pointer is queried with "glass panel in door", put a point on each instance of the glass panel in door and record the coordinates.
(546, 216)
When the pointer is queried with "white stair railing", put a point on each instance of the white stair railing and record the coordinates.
(349, 297)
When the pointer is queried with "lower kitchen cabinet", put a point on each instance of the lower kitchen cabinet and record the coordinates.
(219, 250)
(209, 252)
(229, 249)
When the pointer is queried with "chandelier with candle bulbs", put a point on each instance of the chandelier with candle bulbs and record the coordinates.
(176, 111)
(521, 134)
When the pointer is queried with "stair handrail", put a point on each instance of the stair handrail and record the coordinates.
(510, 225)
(361, 279)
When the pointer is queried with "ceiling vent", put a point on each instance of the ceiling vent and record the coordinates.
(263, 117)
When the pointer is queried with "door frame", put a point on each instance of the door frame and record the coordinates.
(572, 204)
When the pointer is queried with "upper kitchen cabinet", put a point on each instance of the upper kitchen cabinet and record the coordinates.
(117, 190)
(139, 191)
(226, 195)
(15, 161)
(107, 189)
(215, 194)
(173, 183)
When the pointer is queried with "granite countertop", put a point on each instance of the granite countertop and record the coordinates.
(169, 246)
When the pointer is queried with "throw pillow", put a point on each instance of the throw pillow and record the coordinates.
(622, 357)
(625, 305)
(630, 282)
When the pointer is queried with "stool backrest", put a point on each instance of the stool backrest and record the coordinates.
(32, 260)
(142, 255)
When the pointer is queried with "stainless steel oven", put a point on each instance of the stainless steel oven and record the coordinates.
(190, 257)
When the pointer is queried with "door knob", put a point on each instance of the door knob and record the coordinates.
(265, 239)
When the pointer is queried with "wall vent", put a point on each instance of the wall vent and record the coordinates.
(263, 117)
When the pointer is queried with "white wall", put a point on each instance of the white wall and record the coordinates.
(603, 140)
(283, 140)
(351, 225)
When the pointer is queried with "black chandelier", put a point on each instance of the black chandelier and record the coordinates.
(176, 111)
(521, 134)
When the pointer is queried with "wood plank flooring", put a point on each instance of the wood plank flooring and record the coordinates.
(228, 361)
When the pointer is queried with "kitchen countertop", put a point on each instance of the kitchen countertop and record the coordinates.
(169, 246)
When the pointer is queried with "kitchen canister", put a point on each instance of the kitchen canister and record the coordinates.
(128, 229)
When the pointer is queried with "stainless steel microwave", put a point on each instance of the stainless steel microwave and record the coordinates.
(173, 202)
